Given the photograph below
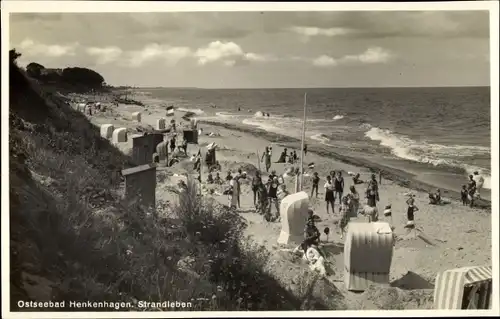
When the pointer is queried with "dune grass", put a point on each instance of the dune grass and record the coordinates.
(69, 224)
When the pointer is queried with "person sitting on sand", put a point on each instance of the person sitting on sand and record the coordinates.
(464, 195)
(311, 235)
(435, 198)
(256, 182)
(410, 212)
(371, 196)
(315, 184)
(344, 215)
(329, 194)
(356, 179)
(282, 158)
(471, 188)
(217, 179)
(210, 178)
(479, 183)
(267, 157)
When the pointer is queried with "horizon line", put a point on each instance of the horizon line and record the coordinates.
(303, 88)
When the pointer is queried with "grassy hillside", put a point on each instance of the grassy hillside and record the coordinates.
(72, 238)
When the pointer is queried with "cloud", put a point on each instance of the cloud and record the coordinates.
(372, 55)
(229, 53)
(105, 55)
(324, 60)
(314, 31)
(152, 52)
(29, 47)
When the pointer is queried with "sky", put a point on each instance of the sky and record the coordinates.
(263, 49)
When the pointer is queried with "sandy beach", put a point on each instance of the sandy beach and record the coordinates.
(448, 236)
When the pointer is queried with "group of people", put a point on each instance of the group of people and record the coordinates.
(472, 190)
(285, 157)
(268, 194)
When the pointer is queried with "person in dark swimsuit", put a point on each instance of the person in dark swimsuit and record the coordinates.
(272, 195)
(282, 158)
(339, 186)
(311, 235)
(410, 213)
(172, 145)
(256, 181)
(356, 179)
(295, 157)
(229, 177)
(315, 184)
(305, 149)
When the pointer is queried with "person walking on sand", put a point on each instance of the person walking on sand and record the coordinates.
(267, 157)
(305, 149)
(263, 201)
(185, 145)
(329, 194)
(353, 201)
(315, 184)
(339, 186)
(256, 181)
(344, 215)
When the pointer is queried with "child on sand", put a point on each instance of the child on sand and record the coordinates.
(464, 194)
(315, 183)
(329, 194)
(410, 212)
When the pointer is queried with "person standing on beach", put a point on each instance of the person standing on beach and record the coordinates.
(339, 186)
(329, 194)
(305, 149)
(184, 145)
(465, 195)
(172, 145)
(353, 201)
(479, 183)
(371, 196)
(256, 181)
(272, 194)
(373, 184)
(410, 212)
(267, 157)
(471, 188)
(315, 184)
(344, 215)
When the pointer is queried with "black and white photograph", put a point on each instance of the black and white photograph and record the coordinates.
(207, 159)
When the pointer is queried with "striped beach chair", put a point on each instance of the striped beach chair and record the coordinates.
(464, 288)
(368, 253)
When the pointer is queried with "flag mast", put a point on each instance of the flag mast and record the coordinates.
(302, 144)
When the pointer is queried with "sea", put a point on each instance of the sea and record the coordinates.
(438, 134)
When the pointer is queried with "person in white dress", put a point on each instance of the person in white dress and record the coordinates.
(479, 183)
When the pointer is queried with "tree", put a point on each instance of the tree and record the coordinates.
(13, 55)
(82, 76)
(34, 69)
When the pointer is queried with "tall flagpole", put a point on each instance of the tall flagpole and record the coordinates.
(302, 144)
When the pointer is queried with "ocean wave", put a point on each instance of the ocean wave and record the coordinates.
(195, 111)
(321, 137)
(428, 153)
(337, 117)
